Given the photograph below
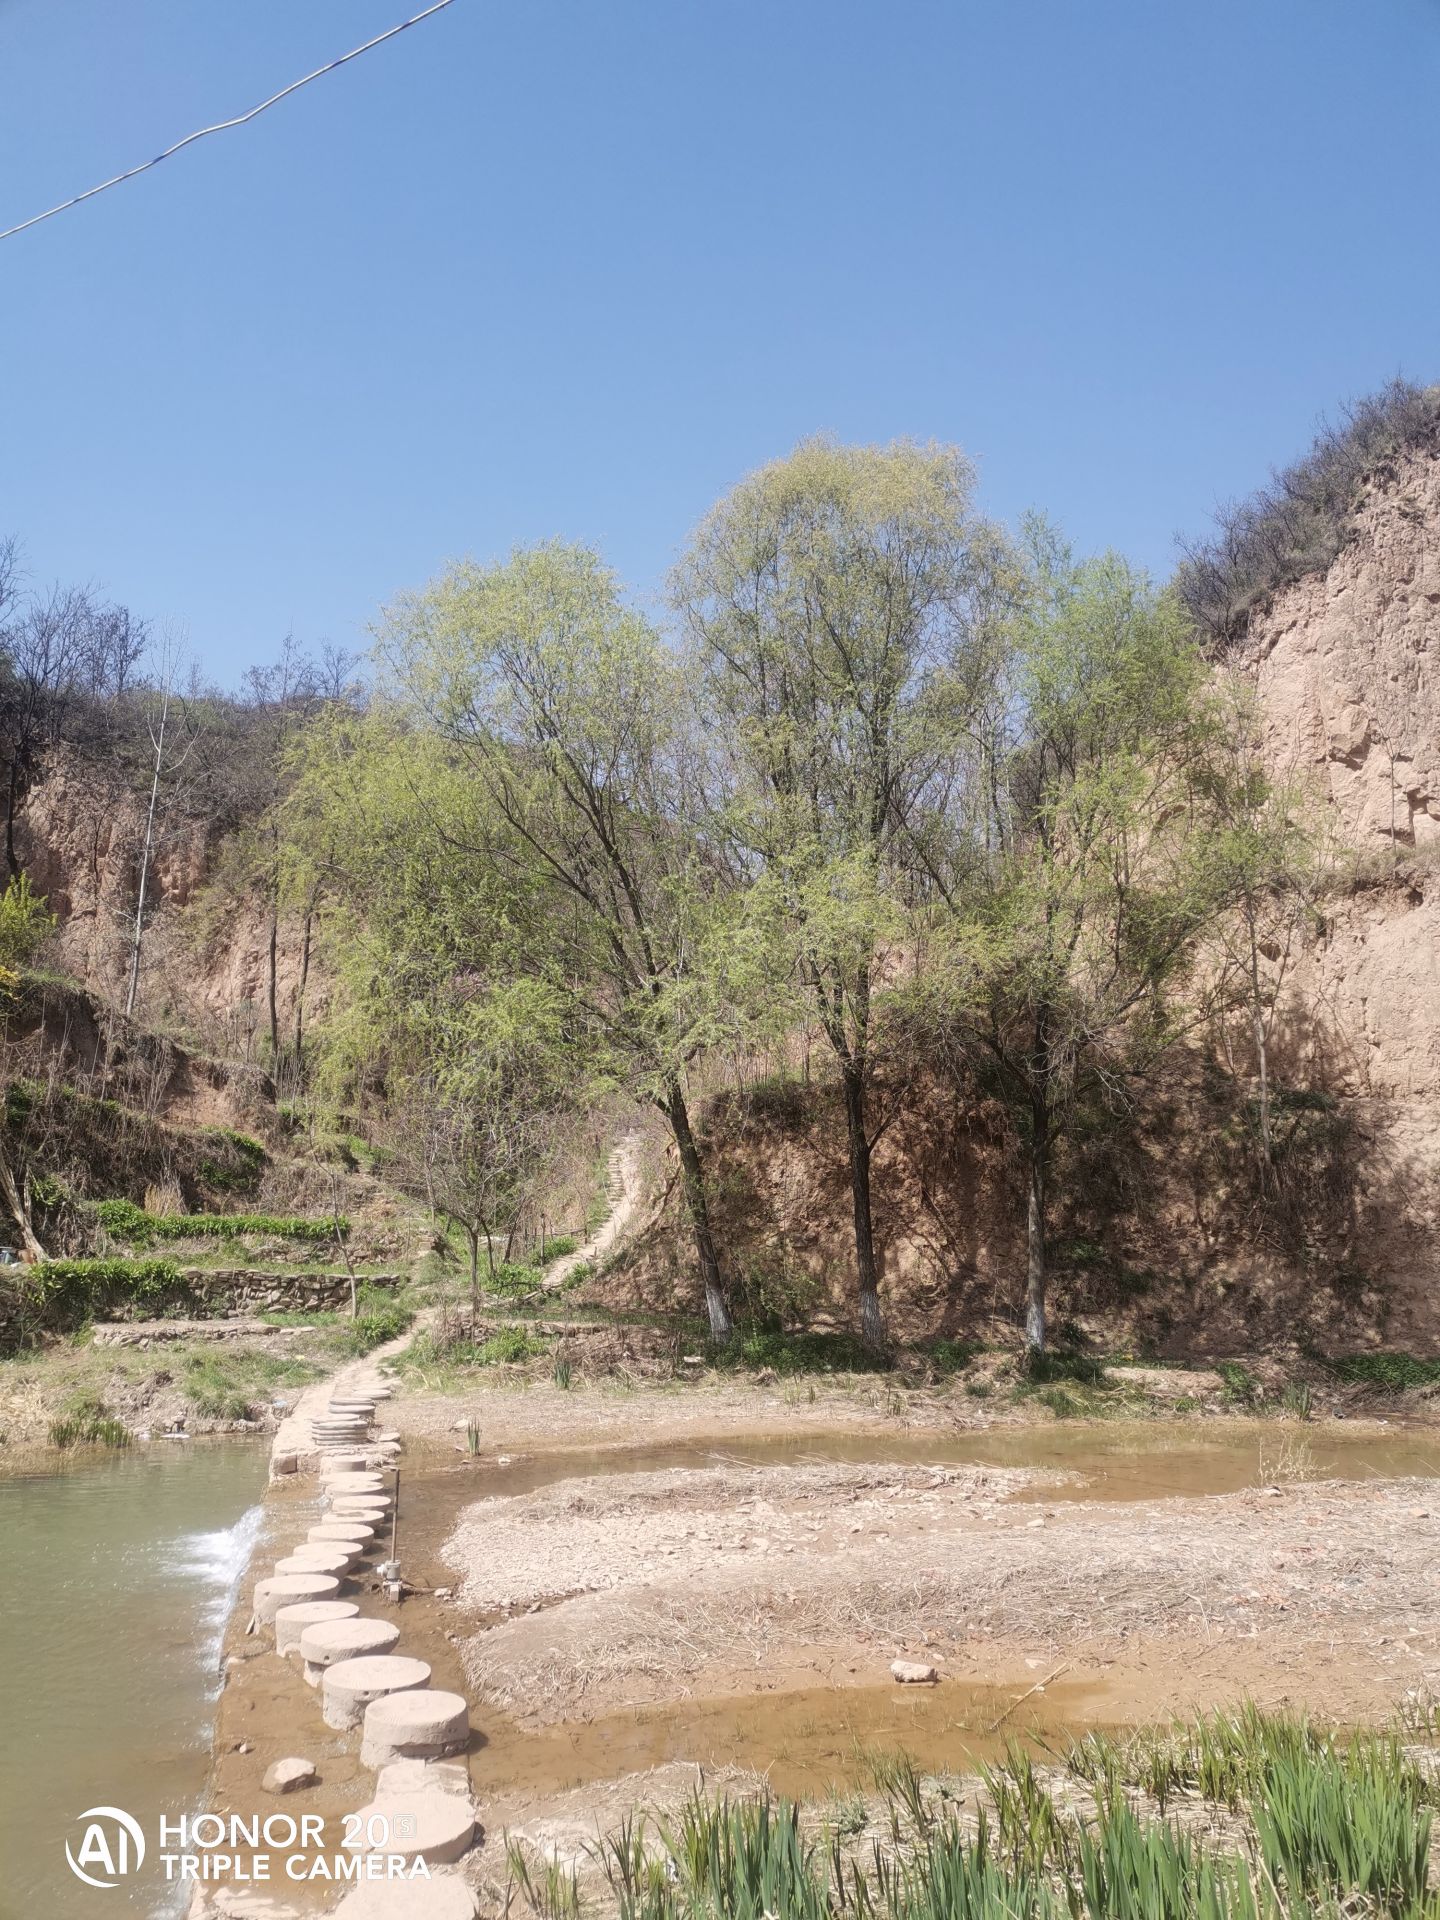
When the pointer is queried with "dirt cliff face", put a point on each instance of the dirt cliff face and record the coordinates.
(1348, 668)
(204, 964)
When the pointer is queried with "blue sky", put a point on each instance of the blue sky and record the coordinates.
(574, 269)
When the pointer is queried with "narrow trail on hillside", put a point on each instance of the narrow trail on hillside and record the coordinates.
(626, 1191)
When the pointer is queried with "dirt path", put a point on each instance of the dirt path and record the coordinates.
(626, 1192)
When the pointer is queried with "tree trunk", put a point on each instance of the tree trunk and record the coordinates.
(1262, 1049)
(872, 1322)
(274, 1006)
(472, 1235)
(12, 801)
(1035, 1229)
(693, 1179)
(300, 994)
(16, 1195)
(139, 935)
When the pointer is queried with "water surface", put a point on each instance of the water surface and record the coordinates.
(116, 1577)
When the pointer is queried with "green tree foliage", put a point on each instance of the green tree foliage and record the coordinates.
(572, 720)
(445, 1004)
(25, 925)
(838, 603)
(1070, 923)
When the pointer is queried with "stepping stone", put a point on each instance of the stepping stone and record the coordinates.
(433, 1826)
(316, 1560)
(284, 1589)
(346, 1533)
(349, 1686)
(353, 1482)
(370, 1513)
(313, 1552)
(291, 1622)
(442, 1897)
(335, 1640)
(421, 1776)
(423, 1725)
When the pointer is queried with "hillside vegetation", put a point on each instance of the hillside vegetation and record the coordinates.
(931, 900)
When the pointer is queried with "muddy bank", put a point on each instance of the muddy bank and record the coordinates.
(639, 1590)
(652, 1579)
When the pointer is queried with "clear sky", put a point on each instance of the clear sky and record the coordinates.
(574, 269)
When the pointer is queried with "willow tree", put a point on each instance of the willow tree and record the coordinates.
(440, 1014)
(573, 721)
(1068, 944)
(837, 602)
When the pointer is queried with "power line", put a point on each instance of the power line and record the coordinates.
(223, 126)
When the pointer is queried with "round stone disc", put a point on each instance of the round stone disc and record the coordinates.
(282, 1589)
(291, 1622)
(335, 1640)
(350, 1685)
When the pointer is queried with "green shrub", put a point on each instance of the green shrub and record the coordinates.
(1389, 1372)
(86, 1421)
(796, 1352)
(556, 1248)
(1056, 1365)
(510, 1280)
(508, 1345)
(1241, 1388)
(381, 1317)
(949, 1357)
(128, 1222)
(57, 1293)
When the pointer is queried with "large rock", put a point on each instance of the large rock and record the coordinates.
(289, 1776)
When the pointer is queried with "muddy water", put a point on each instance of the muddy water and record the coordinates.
(116, 1577)
(1141, 1460)
(809, 1740)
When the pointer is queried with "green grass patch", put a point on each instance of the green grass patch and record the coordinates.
(1327, 1830)
(949, 1357)
(126, 1221)
(1386, 1372)
(231, 1385)
(509, 1345)
(796, 1352)
(86, 1421)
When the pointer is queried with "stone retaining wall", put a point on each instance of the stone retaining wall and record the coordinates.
(235, 1293)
